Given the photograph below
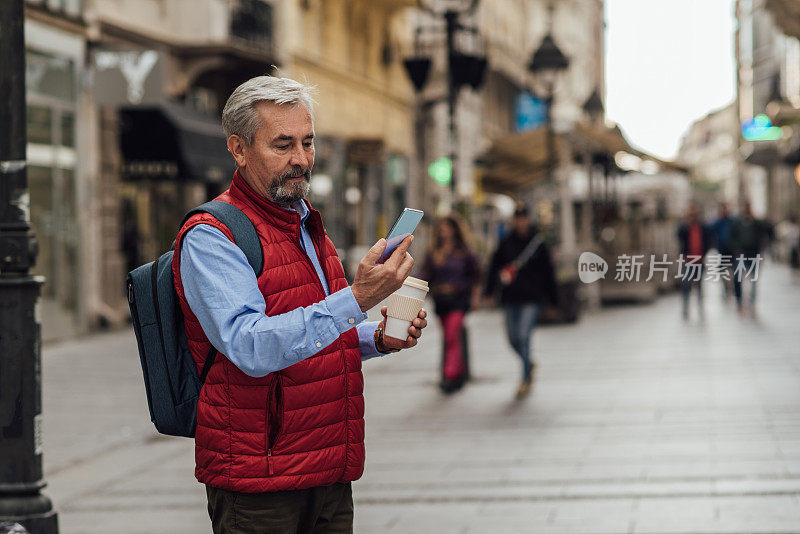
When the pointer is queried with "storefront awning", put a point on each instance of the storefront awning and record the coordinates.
(786, 14)
(515, 162)
(173, 142)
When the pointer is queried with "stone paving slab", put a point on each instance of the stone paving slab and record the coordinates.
(638, 423)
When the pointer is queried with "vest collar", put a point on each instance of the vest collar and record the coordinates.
(284, 218)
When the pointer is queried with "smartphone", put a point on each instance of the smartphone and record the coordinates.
(405, 224)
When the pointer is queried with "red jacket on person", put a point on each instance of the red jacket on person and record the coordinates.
(297, 428)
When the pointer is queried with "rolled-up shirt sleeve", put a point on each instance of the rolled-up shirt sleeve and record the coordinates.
(222, 292)
(366, 340)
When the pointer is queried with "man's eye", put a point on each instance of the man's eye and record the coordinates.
(283, 147)
(308, 145)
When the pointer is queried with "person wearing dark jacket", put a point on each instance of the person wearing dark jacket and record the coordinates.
(696, 239)
(748, 237)
(522, 271)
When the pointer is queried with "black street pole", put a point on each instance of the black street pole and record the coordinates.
(551, 138)
(451, 18)
(21, 479)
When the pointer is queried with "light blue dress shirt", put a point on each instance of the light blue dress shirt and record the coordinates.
(222, 292)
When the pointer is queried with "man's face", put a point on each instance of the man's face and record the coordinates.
(278, 163)
(521, 223)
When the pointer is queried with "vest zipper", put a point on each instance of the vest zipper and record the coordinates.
(273, 424)
(346, 404)
(341, 347)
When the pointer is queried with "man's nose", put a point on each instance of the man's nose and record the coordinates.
(299, 157)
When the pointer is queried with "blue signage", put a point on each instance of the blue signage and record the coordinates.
(760, 128)
(529, 112)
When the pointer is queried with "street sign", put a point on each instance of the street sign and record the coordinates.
(760, 128)
(529, 112)
(129, 76)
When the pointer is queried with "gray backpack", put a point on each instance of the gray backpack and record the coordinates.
(170, 373)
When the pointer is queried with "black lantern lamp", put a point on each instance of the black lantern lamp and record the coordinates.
(548, 61)
(464, 68)
(418, 68)
(545, 65)
(593, 107)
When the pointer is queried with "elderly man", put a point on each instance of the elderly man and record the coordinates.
(280, 420)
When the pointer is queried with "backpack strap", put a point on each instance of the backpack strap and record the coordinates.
(244, 233)
(245, 237)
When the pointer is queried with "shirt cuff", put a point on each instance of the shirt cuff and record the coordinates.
(345, 310)
(366, 340)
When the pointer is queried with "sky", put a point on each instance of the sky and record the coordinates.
(668, 63)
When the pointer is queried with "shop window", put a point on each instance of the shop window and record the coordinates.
(67, 129)
(40, 125)
(49, 75)
(40, 186)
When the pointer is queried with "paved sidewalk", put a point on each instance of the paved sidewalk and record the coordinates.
(638, 423)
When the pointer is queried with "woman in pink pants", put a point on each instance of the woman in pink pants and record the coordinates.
(453, 274)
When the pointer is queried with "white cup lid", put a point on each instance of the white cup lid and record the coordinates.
(416, 282)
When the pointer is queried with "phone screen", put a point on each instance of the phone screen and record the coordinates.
(405, 224)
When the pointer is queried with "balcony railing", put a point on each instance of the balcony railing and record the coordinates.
(252, 24)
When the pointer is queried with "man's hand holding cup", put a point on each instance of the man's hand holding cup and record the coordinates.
(376, 281)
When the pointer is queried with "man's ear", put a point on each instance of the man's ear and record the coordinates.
(236, 148)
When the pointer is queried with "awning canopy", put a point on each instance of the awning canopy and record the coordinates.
(517, 161)
(786, 14)
(173, 142)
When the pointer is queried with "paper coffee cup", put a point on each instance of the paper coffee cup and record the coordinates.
(404, 306)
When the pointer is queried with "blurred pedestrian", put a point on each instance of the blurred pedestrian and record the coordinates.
(453, 274)
(722, 234)
(522, 271)
(787, 233)
(748, 236)
(695, 239)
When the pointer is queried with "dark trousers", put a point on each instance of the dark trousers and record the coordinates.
(740, 274)
(322, 510)
(686, 290)
(520, 322)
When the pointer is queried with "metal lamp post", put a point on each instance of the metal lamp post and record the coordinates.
(21, 477)
(462, 68)
(547, 62)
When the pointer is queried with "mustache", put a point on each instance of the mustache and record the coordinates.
(295, 173)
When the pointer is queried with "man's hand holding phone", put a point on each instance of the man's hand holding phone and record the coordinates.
(375, 281)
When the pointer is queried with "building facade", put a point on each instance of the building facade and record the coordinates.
(125, 98)
(124, 135)
(768, 61)
(350, 51)
(711, 153)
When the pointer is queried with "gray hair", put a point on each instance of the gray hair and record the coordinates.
(239, 117)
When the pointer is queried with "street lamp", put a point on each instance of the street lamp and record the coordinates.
(463, 68)
(545, 65)
(547, 62)
(21, 477)
(594, 108)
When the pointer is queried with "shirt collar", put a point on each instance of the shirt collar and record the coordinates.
(301, 208)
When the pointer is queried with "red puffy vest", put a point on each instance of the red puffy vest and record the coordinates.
(297, 428)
